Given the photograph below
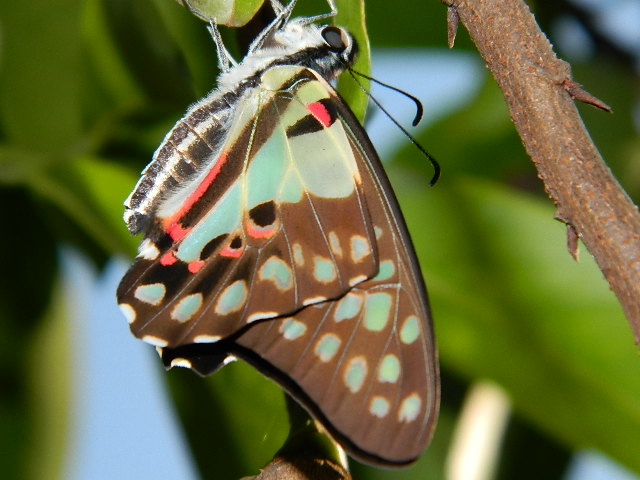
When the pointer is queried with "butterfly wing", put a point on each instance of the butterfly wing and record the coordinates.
(290, 251)
(364, 364)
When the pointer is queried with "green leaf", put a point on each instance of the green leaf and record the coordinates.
(110, 67)
(351, 15)
(238, 411)
(90, 191)
(29, 264)
(40, 104)
(49, 366)
(232, 13)
(195, 43)
(510, 304)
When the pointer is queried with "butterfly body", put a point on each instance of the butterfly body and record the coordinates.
(272, 234)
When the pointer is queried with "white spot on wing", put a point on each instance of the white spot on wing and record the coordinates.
(156, 341)
(356, 280)
(206, 338)
(148, 250)
(181, 362)
(229, 359)
(313, 300)
(128, 311)
(334, 241)
(410, 408)
(261, 316)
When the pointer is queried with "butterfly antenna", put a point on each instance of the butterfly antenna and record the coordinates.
(434, 162)
(418, 103)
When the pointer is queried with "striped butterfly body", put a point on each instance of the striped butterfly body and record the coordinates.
(271, 234)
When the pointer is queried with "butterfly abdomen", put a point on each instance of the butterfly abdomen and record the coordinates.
(184, 152)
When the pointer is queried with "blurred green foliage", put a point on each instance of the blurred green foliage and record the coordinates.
(88, 88)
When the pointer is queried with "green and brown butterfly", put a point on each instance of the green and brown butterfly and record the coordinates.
(271, 234)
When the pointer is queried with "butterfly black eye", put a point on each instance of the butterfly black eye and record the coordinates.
(334, 37)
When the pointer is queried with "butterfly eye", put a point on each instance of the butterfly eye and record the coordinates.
(335, 38)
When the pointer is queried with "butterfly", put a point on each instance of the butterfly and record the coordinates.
(271, 234)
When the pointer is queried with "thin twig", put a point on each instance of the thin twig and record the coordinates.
(539, 92)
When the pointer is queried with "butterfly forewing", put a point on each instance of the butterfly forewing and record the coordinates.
(274, 240)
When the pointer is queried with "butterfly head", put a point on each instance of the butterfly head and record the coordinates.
(341, 48)
(326, 49)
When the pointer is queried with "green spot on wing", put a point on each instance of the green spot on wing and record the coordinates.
(379, 406)
(151, 294)
(359, 248)
(324, 270)
(355, 374)
(187, 307)
(410, 330)
(292, 329)
(232, 298)
(278, 271)
(351, 15)
(327, 347)
(266, 170)
(223, 218)
(348, 307)
(387, 269)
(327, 166)
(389, 370)
(377, 311)
(410, 408)
(291, 189)
(297, 254)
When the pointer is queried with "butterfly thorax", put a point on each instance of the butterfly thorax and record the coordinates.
(199, 135)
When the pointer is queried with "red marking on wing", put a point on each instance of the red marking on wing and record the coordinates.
(171, 224)
(168, 259)
(231, 252)
(176, 231)
(259, 233)
(195, 266)
(320, 112)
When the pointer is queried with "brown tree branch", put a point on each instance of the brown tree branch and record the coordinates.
(539, 92)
